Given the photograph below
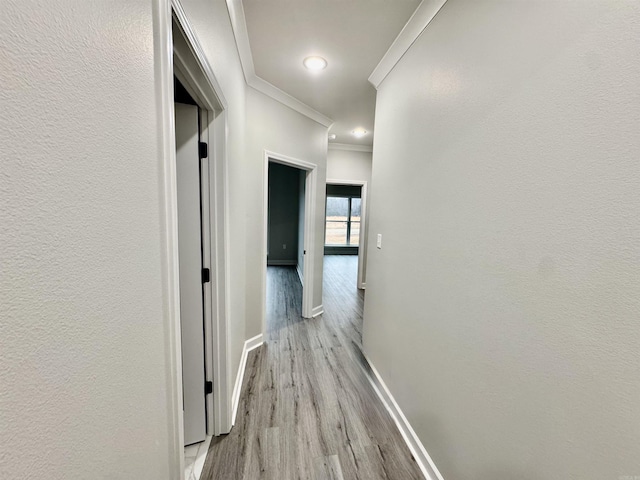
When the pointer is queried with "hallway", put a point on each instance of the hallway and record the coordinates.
(307, 410)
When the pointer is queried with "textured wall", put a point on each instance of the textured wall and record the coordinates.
(503, 309)
(82, 366)
(81, 334)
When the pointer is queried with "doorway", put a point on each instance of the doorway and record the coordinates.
(181, 56)
(346, 225)
(196, 77)
(305, 174)
(285, 219)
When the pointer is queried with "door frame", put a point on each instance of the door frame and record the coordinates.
(183, 56)
(362, 242)
(310, 207)
(196, 75)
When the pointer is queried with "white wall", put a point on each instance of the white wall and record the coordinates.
(503, 309)
(356, 167)
(348, 165)
(82, 344)
(272, 126)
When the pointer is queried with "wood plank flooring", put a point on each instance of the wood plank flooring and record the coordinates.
(307, 410)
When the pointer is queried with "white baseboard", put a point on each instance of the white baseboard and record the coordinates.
(319, 310)
(424, 461)
(249, 345)
(253, 342)
(282, 263)
(299, 274)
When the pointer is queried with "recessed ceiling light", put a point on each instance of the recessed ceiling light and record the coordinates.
(315, 63)
(332, 136)
(359, 132)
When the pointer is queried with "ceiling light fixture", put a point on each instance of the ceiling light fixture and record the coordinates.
(359, 132)
(315, 63)
(332, 136)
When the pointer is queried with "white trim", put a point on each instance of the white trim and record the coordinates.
(423, 459)
(310, 201)
(241, 35)
(300, 276)
(192, 67)
(254, 342)
(282, 263)
(239, 27)
(363, 286)
(249, 345)
(207, 189)
(163, 46)
(165, 11)
(363, 241)
(283, 97)
(351, 148)
(423, 15)
(220, 257)
(198, 53)
(317, 311)
(290, 161)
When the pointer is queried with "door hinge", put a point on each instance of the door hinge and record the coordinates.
(206, 275)
(203, 150)
(208, 388)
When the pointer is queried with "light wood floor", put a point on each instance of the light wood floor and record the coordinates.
(307, 410)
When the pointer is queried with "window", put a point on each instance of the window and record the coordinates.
(343, 221)
(354, 230)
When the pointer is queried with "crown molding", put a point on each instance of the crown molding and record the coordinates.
(351, 148)
(274, 92)
(426, 11)
(241, 35)
(239, 27)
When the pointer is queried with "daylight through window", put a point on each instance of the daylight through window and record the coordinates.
(342, 221)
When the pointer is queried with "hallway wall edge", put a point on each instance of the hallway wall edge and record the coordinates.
(250, 344)
(422, 457)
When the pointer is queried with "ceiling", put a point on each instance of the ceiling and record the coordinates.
(352, 35)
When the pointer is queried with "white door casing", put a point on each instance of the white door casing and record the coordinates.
(191, 68)
(179, 53)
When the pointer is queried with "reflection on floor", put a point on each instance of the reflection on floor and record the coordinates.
(343, 302)
(307, 409)
(194, 457)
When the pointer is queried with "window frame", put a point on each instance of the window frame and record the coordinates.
(350, 198)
